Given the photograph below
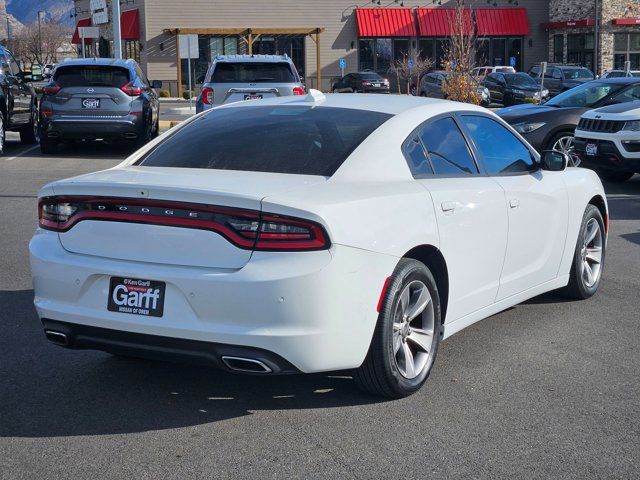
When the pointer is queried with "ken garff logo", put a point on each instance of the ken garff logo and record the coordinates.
(90, 90)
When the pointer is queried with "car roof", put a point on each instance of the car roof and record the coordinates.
(390, 104)
(252, 58)
(112, 62)
(620, 80)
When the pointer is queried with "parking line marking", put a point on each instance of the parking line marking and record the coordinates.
(30, 149)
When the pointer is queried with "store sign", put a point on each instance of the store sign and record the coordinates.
(99, 12)
(88, 32)
(188, 46)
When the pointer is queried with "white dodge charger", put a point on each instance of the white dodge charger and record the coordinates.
(312, 234)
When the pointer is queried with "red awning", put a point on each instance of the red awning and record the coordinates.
(438, 22)
(385, 22)
(574, 23)
(501, 21)
(130, 25)
(84, 22)
(626, 21)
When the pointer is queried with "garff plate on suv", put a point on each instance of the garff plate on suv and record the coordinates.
(607, 139)
(98, 98)
(234, 78)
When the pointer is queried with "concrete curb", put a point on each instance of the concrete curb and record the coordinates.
(167, 124)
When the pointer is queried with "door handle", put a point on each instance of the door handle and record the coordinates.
(448, 207)
(514, 203)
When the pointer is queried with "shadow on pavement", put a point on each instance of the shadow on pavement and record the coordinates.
(48, 391)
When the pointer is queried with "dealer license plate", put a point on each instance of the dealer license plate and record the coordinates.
(136, 296)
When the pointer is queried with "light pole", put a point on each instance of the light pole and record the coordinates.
(39, 38)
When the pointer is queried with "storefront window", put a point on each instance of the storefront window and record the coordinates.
(515, 53)
(383, 55)
(498, 50)
(132, 50)
(442, 44)
(425, 48)
(580, 49)
(558, 48)
(626, 48)
(376, 54)
(366, 54)
(483, 52)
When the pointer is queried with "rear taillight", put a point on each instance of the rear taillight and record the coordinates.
(247, 229)
(131, 90)
(51, 89)
(207, 95)
(298, 91)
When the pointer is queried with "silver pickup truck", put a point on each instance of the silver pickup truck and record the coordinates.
(233, 78)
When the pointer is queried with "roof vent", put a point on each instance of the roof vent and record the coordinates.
(314, 96)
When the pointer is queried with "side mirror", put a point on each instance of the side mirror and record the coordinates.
(553, 161)
(155, 84)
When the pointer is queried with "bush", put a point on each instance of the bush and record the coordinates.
(187, 94)
(164, 93)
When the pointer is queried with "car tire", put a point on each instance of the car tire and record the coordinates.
(29, 133)
(397, 364)
(563, 142)
(48, 146)
(588, 257)
(147, 134)
(614, 176)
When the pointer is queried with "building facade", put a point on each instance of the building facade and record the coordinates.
(315, 34)
(600, 34)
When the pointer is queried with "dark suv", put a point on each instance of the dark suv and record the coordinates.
(560, 78)
(361, 82)
(100, 98)
(18, 102)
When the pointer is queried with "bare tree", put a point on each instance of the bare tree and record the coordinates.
(409, 70)
(39, 46)
(460, 56)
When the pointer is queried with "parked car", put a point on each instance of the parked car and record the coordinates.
(361, 82)
(513, 88)
(314, 234)
(18, 101)
(98, 98)
(607, 139)
(479, 73)
(232, 78)
(560, 78)
(550, 126)
(431, 86)
(621, 73)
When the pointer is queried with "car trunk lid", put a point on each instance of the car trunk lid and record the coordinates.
(170, 194)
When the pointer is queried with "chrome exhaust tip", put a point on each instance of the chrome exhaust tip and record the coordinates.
(58, 338)
(246, 365)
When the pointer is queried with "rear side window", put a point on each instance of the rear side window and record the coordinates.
(447, 148)
(501, 151)
(278, 139)
(416, 158)
(252, 72)
(91, 75)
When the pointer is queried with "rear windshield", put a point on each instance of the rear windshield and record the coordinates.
(252, 72)
(520, 80)
(91, 75)
(296, 139)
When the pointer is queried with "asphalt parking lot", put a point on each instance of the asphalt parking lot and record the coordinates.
(548, 389)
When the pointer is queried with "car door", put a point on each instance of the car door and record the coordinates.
(492, 83)
(536, 201)
(150, 94)
(553, 80)
(471, 213)
(23, 101)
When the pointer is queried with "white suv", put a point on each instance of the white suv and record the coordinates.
(233, 78)
(607, 139)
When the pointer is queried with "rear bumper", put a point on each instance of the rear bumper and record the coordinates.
(316, 310)
(611, 154)
(154, 347)
(71, 127)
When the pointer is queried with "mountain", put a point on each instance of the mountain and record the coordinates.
(26, 11)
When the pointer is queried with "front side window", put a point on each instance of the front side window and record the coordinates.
(447, 148)
(291, 139)
(502, 152)
(629, 95)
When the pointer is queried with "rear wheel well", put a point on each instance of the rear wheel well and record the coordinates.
(433, 259)
(598, 201)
